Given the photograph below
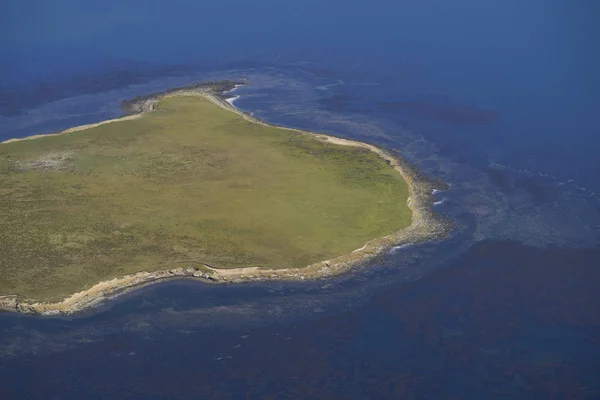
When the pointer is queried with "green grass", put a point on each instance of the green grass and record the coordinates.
(187, 184)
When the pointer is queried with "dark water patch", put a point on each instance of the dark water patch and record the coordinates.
(503, 321)
(60, 83)
(538, 189)
(337, 103)
(539, 192)
(456, 114)
(260, 62)
(500, 179)
(318, 70)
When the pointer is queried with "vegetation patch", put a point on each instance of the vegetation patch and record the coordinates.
(190, 185)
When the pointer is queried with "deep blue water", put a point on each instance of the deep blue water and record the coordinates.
(500, 99)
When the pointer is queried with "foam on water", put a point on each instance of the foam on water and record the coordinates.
(400, 247)
(236, 87)
(231, 100)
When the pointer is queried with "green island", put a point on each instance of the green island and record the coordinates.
(190, 186)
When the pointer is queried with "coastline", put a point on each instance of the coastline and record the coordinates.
(425, 225)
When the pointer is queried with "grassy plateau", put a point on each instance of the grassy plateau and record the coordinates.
(186, 185)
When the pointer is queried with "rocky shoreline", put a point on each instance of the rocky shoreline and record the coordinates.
(426, 224)
(142, 104)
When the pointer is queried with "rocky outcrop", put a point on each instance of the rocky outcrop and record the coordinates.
(100, 292)
(142, 104)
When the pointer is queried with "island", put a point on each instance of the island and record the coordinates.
(186, 185)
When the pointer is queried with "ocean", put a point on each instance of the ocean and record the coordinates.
(499, 99)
